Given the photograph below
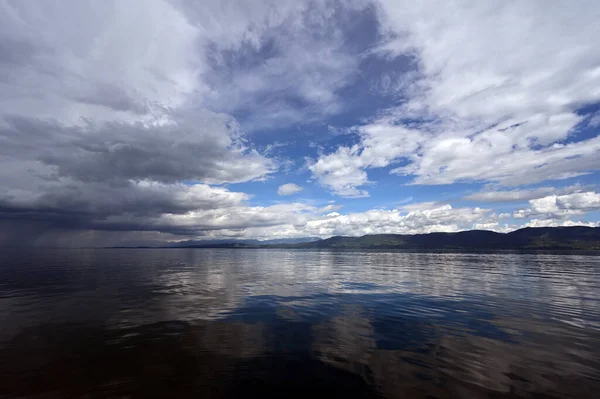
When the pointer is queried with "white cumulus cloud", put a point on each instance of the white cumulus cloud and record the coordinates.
(288, 189)
(561, 206)
(494, 96)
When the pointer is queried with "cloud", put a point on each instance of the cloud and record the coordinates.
(502, 109)
(558, 223)
(341, 173)
(420, 206)
(380, 145)
(110, 97)
(140, 116)
(100, 126)
(176, 211)
(499, 73)
(561, 206)
(447, 161)
(99, 200)
(443, 218)
(115, 98)
(101, 64)
(124, 108)
(594, 121)
(520, 195)
(279, 63)
(198, 146)
(288, 189)
(509, 195)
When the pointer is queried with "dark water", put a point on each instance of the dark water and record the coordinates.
(277, 323)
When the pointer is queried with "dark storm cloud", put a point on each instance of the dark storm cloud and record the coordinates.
(117, 176)
(50, 213)
(101, 200)
(15, 52)
(115, 151)
(114, 97)
(101, 128)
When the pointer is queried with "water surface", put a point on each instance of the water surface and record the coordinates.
(125, 323)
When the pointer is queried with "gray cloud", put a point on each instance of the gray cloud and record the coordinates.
(118, 176)
(200, 149)
(291, 69)
(102, 127)
(17, 52)
(114, 97)
(141, 199)
(521, 194)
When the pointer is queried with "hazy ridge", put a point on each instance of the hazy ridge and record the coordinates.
(555, 238)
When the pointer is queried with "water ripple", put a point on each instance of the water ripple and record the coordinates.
(152, 323)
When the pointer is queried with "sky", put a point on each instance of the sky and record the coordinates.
(131, 122)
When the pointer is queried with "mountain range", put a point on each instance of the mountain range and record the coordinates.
(540, 238)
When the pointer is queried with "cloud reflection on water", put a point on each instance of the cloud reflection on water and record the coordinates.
(441, 324)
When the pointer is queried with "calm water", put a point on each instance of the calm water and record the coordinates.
(276, 323)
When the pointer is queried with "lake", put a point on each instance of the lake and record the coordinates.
(178, 323)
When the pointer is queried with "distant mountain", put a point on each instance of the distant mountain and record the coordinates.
(290, 240)
(239, 243)
(559, 238)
